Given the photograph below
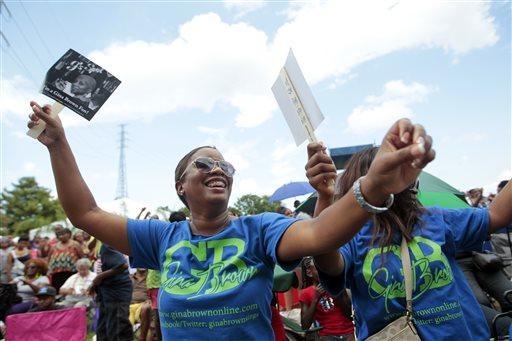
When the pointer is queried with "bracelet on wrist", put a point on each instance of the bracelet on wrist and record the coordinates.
(365, 205)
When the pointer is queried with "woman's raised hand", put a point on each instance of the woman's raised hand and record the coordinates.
(54, 130)
(404, 151)
(320, 170)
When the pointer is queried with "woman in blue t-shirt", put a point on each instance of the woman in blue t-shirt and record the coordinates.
(370, 263)
(217, 271)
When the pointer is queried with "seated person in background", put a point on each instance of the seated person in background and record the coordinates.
(332, 313)
(45, 300)
(75, 287)
(140, 307)
(29, 284)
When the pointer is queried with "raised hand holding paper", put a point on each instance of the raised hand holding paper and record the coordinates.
(296, 101)
(78, 84)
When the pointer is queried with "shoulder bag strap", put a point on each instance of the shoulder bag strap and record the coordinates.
(406, 266)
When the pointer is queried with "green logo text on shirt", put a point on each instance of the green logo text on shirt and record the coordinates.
(430, 270)
(221, 274)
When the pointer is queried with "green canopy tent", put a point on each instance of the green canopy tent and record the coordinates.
(283, 280)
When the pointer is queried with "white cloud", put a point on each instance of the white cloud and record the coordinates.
(15, 95)
(209, 130)
(287, 162)
(242, 7)
(381, 111)
(212, 62)
(338, 81)
(330, 38)
(29, 167)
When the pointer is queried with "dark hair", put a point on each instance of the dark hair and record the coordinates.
(65, 230)
(177, 216)
(182, 165)
(281, 210)
(23, 238)
(502, 184)
(296, 203)
(403, 214)
(307, 281)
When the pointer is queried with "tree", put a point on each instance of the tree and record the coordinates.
(164, 212)
(28, 205)
(254, 204)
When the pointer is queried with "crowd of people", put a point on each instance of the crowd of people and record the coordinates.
(372, 257)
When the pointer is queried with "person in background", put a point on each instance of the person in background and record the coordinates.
(284, 211)
(113, 289)
(43, 248)
(57, 229)
(5, 263)
(79, 238)
(45, 300)
(475, 197)
(501, 241)
(75, 288)
(18, 256)
(29, 284)
(331, 313)
(63, 257)
(140, 307)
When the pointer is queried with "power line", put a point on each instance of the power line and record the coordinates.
(37, 31)
(23, 35)
(16, 58)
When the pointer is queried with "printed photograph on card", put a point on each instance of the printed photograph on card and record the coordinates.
(79, 84)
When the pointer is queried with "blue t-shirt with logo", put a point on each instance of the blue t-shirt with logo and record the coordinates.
(216, 286)
(444, 306)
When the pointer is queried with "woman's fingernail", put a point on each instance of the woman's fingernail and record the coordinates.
(421, 145)
(34, 107)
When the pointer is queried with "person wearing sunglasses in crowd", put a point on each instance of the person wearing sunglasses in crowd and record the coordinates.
(443, 306)
(217, 271)
(29, 284)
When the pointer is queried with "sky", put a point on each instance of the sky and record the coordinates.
(199, 73)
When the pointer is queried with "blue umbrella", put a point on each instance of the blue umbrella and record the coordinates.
(293, 189)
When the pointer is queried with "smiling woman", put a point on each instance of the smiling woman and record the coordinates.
(215, 266)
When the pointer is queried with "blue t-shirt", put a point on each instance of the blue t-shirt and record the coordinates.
(444, 306)
(116, 288)
(212, 287)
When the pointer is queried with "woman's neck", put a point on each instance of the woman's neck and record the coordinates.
(205, 224)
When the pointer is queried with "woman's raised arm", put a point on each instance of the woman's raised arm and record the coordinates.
(74, 195)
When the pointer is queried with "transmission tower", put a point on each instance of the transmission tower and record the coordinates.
(122, 185)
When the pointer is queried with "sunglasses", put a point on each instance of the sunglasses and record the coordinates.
(207, 164)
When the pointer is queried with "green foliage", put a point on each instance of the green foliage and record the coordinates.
(28, 205)
(235, 211)
(254, 204)
(186, 211)
(163, 211)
